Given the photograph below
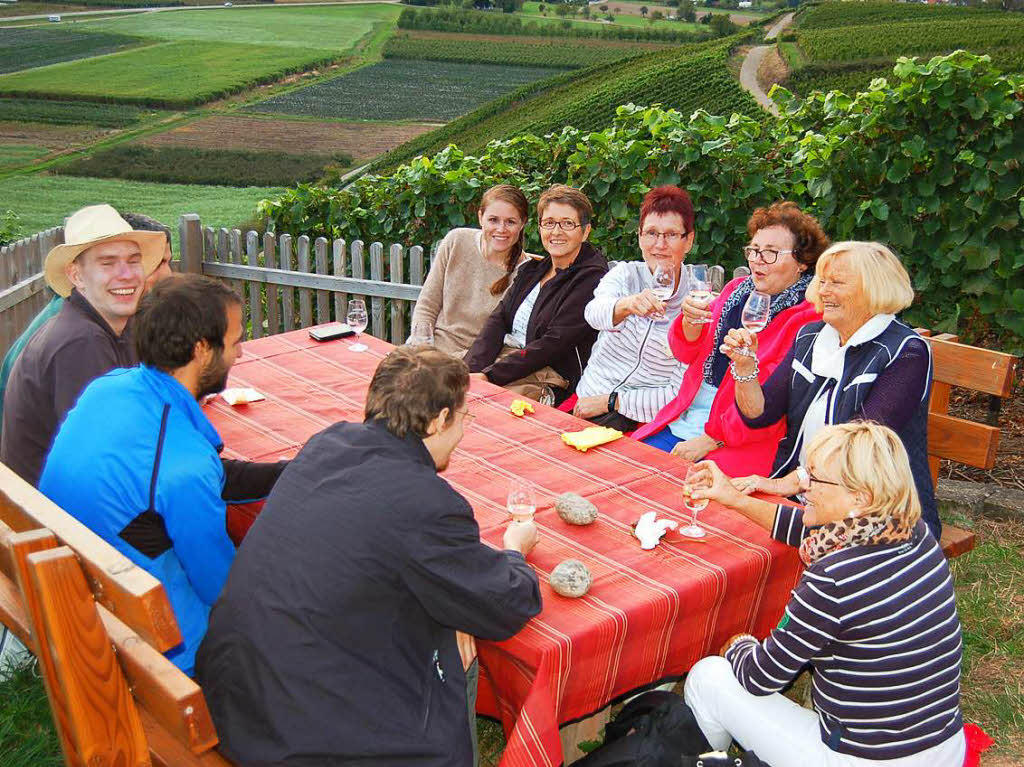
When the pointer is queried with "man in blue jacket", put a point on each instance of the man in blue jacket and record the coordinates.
(137, 460)
(334, 641)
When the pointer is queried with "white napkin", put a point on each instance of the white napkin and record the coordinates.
(649, 529)
(241, 396)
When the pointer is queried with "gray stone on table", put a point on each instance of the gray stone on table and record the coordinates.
(1004, 503)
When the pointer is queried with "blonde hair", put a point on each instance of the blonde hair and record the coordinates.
(884, 282)
(870, 458)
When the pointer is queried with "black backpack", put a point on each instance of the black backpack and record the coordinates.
(658, 729)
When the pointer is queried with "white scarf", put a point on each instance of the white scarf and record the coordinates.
(828, 356)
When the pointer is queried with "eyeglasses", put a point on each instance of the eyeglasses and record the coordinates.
(565, 225)
(467, 417)
(671, 238)
(811, 478)
(768, 255)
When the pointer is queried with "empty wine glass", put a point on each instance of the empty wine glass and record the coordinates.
(422, 334)
(692, 530)
(521, 502)
(700, 287)
(357, 320)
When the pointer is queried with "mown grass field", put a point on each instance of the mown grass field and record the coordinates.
(168, 74)
(396, 89)
(44, 201)
(39, 46)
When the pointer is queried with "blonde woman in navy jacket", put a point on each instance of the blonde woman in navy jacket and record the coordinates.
(859, 363)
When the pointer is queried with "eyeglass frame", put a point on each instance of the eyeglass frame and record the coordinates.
(467, 417)
(671, 238)
(812, 479)
(759, 253)
(551, 224)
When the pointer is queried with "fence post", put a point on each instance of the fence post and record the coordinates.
(190, 239)
(397, 307)
(377, 303)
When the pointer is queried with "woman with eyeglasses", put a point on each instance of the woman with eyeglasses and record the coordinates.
(858, 363)
(702, 421)
(873, 615)
(471, 271)
(537, 338)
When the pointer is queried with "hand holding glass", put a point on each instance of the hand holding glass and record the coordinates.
(521, 503)
(692, 530)
(357, 320)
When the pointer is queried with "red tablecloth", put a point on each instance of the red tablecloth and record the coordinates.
(649, 615)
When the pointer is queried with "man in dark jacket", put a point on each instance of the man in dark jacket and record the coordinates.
(334, 640)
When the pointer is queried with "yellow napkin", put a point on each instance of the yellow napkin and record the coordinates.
(520, 407)
(590, 437)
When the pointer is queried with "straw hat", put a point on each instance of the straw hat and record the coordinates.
(91, 226)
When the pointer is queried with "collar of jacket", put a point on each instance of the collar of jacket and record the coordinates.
(410, 443)
(169, 389)
(589, 256)
(81, 303)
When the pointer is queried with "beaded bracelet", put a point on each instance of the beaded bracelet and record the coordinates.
(747, 378)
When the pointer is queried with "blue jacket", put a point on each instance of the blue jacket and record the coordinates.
(136, 460)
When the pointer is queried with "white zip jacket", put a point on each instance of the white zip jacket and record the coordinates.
(633, 357)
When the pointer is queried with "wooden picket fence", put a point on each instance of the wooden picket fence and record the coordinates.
(286, 282)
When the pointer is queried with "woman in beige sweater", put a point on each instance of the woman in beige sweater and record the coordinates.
(472, 270)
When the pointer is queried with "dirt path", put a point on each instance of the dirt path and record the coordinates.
(748, 73)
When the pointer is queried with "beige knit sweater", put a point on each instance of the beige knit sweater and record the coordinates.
(456, 296)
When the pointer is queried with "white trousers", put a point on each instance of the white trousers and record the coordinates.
(779, 731)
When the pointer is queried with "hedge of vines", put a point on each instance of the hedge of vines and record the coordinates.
(928, 162)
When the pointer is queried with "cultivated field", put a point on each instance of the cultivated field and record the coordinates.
(73, 112)
(39, 46)
(403, 90)
(363, 141)
(22, 142)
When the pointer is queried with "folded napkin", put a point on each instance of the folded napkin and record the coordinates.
(649, 529)
(520, 407)
(241, 396)
(590, 437)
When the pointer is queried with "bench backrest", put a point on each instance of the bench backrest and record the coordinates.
(99, 626)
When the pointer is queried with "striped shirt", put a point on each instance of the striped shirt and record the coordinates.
(633, 357)
(879, 626)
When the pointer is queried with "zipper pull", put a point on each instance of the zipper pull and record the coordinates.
(437, 665)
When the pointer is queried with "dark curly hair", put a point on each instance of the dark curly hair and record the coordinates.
(808, 235)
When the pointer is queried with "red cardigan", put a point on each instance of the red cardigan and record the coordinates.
(746, 450)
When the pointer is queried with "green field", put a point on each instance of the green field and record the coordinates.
(39, 46)
(841, 14)
(397, 89)
(329, 27)
(531, 9)
(167, 74)
(12, 155)
(535, 52)
(44, 201)
(72, 112)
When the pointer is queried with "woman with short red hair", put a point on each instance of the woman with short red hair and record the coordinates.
(702, 421)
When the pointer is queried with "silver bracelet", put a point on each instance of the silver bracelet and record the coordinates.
(747, 378)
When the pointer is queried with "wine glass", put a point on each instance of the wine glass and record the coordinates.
(521, 502)
(692, 530)
(357, 320)
(700, 286)
(755, 311)
(422, 334)
(663, 281)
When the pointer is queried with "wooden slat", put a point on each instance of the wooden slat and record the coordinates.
(236, 258)
(937, 404)
(305, 296)
(131, 593)
(273, 294)
(323, 298)
(377, 304)
(955, 541)
(81, 673)
(338, 262)
(416, 265)
(973, 368)
(14, 548)
(284, 260)
(167, 751)
(13, 613)
(955, 439)
(252, 256)
(398, 308)
(162, 688)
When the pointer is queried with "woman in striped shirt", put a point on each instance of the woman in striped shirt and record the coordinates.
(873, 615)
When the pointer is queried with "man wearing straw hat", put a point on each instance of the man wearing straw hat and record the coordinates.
(101, 270)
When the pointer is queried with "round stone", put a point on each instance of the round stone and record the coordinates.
(570, 578)
(575, 509)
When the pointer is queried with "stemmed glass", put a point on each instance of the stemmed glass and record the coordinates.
(663, 283)
(692, 530)
(357, 320)
(422, 334)
(755, 314)
(521, 502)
(700, 286)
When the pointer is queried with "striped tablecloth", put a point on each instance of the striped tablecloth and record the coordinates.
(649, 616)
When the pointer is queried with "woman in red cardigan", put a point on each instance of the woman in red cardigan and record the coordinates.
(702, 421)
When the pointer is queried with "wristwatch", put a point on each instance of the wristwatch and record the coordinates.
(613, 400)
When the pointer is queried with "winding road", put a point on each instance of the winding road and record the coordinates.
(748, 72)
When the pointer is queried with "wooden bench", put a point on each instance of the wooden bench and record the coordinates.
(957, 439)
(98, 625)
